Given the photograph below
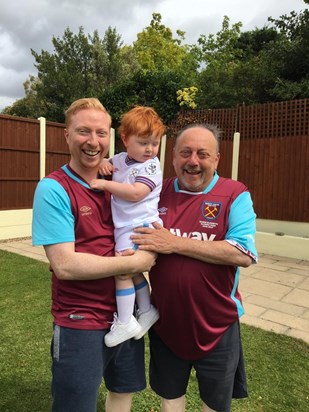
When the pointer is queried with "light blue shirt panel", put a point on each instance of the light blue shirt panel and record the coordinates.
(53, 221)
(242, 223)
(72, 176)
(241, 230)
(240, 308)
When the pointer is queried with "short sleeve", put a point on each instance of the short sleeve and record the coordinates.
(242, 225)
(150, 174)
(52, 219)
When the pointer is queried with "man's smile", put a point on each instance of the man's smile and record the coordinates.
(91, 152)
(192, 172)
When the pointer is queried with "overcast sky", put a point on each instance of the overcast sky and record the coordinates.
(30, 24)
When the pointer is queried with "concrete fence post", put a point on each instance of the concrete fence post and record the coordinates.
(111, 151)
(162, 152)
(235, 158)
(42, 147)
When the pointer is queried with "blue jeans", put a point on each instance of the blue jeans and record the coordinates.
(80, 360)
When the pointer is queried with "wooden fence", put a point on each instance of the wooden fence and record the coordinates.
(20, 157)
(273, 156)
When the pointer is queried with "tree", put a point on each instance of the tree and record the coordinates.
(30, 105)
(66, 74)
(110, 62)
(164, 65)
(145, 73)
(219, 55)
(220, 49)
(157, 50)
(293, 53)
(251, 43)
(227, 68)
(267, 64)
(80, 66)
(152, 88)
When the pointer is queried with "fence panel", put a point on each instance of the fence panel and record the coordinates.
(273, 155)
(57, 153)
(19, 161)
(20, 157)
(274, 160)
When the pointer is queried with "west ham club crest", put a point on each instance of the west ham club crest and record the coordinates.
(211, 210)
(151, 169)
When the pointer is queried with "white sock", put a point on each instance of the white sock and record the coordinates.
(143, 296)
(125, 299)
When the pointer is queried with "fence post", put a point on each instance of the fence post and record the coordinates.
(42, 147)
(235, 159)
(162, 153)
(111, 150)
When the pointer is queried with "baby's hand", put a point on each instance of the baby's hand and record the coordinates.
(97, 184)
(127, 252)
(106, 168)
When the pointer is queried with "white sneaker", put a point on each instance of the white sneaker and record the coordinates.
(121, 332)
(146, 320)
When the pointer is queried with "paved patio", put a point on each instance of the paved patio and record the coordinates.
(275, 291)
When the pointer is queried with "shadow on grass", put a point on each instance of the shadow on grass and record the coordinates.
(23, 396)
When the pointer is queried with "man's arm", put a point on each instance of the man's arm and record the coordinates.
(162, 241)
(70, 265)
(53, 227)
(236, 249)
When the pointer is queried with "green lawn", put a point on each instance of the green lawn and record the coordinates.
(277, 366)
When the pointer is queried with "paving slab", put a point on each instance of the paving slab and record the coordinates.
(305, 284)
(298, 297)
(264, 288)
(264, 324)
(286, 320)
(298, 334)
(285, 278)
(306, 315)
(254, 310)
(279, 306)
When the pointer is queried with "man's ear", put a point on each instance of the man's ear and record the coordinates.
(173, 155)
(218, 159)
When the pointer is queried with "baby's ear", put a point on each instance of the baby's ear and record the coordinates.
(124, 139)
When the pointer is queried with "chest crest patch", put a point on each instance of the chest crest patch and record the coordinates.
(211, 210)
(134, 173)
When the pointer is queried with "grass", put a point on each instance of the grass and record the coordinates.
(277, 366)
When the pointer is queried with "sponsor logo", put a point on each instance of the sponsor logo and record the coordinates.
(85, 210)
(193, 235)
(211, 210)
(162, 210)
